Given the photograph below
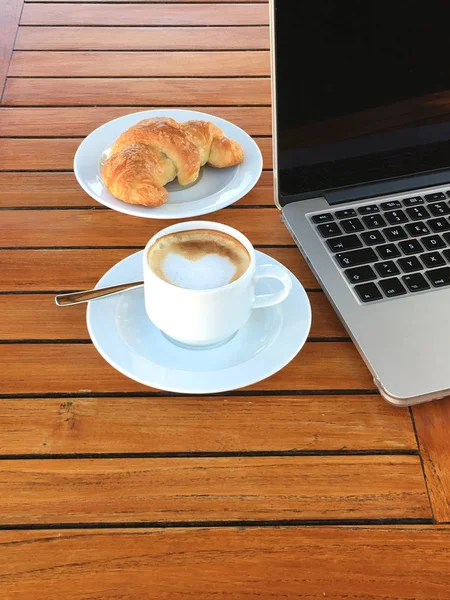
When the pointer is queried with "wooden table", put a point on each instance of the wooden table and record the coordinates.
(306, 485)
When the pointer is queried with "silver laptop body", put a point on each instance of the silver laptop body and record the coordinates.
(395, 307)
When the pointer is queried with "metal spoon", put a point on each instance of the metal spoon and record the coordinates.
(86, 295)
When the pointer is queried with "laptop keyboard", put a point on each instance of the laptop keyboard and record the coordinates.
(393, 248)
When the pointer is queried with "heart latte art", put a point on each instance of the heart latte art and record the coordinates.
(198, 259)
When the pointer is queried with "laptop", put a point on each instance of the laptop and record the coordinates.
(361, 131)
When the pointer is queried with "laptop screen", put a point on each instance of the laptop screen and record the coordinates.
(362, 92)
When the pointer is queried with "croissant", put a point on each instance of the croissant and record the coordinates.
(155, 151)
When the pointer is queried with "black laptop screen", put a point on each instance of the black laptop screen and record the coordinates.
(362, 91)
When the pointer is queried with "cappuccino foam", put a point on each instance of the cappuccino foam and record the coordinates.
(198, 259)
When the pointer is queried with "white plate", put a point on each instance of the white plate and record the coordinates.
(214, 189)
(128, 340)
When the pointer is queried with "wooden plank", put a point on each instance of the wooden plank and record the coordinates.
(143, 38)
(140, 64)
(33, 317)
(110, 228)
(252, 563)
(79, 369)
(431, 422)
(42, 189)
(159, 1)
(37, 154)
(57, 154)
(54, 122)
(140, 14)
(81, 269)
(62, 189)
(9, 21)
(70, 269)
(212, 489)
(161, 92)
(325, 322)
(228, 424)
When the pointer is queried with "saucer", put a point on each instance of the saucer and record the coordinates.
(128, 340)
(214, 189)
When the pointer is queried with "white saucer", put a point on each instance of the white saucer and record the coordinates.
(214, 189)
(128, 340)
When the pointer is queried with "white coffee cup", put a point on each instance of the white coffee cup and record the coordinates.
(209, 317)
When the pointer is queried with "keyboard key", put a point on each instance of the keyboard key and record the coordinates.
(438, 209)
(416, 282)
(391, 205)
(323, 218)
(372, 221)
(432, 259)
(396, 216)
(346, 242)
(386, 269)
(372, 237)
(368, 292)
(345, 214)
(395, 233)
(368, 210)
(417, 228)
(357, 257)
(446, 253)
(392, 287)
(417, 212)
(388, 251)
(352, 225)
(435, 197)
(411, 247)
(447, 238)
(433, 242)
(439, 277)
(438, 225)
(360, 274)
(412, 263)
(329, 230)
(413, 201)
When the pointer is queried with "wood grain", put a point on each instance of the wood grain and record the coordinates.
(92, 227)
(37, 154)
(159, 1)
(79, 369)
(210, 424)
(54, 122)
(142, 92)
(140, 64)
(23, 270)
(57, 154)
(33, 317)
(9, 20)
(62, 189)
(140, 14)
(143, 38)
(252, 563)
(212, 489)
(431, 422)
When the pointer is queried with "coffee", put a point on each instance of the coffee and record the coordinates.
(198, 259)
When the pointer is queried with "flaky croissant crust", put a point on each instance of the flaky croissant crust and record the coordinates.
(155, 151)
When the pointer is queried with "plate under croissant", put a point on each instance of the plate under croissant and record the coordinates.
(214, 189)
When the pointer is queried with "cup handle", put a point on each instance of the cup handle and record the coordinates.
(272, 272)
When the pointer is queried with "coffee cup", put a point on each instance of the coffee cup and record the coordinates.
(199, 282)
